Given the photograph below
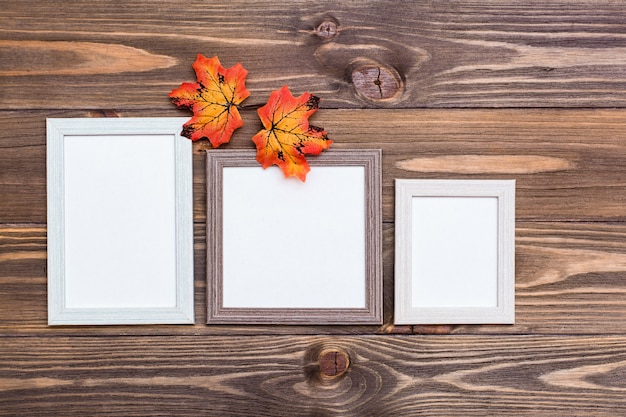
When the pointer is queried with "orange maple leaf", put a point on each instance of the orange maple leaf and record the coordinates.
(213, 100)
(287, 136)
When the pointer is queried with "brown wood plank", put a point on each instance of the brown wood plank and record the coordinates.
(463, 89)
(281, 375)
(570, 279)
(570, 165)
(85, 54)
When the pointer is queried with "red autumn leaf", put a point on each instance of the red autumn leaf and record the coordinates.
(213, 100)
(287, 136)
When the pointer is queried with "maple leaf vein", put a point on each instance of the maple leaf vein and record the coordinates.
(217, 91)
(288, 136)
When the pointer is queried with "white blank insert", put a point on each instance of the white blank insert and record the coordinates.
(119, 200)
(454, 251)
(307, 239)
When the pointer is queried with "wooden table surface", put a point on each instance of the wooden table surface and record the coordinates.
(533, 91)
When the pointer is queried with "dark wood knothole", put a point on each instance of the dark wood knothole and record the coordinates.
(333, 363)
(327, 30)
(376, 82)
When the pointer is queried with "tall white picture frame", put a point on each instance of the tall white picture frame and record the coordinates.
(120, 221)
(455, 252)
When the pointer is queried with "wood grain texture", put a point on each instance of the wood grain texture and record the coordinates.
(570, 279)
(569, 164)
(80, 58)
(462, 90)
(386, 376)
(351, 54)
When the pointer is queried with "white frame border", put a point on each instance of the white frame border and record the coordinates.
(58, 313)
(504, 191)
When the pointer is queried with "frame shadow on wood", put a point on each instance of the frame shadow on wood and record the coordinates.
(280, 251)
(455, 252)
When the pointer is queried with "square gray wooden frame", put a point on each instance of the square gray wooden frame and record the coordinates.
(372, 312)
(504, 312)
(58, 312)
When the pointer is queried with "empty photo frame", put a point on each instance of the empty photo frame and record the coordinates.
(120, 221)
(455, 252)
(282, 251)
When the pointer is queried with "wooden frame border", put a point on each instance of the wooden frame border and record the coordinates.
(504, 312)
(58, 313)
(371, 314)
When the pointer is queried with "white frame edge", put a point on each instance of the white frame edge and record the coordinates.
(404, 311)
(58, 312)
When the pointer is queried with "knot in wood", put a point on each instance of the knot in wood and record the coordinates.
(376, 82)
(327, 30)
(333, 363)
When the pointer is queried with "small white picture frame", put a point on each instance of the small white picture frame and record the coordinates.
(455, 252)
(120, 221)
(280, 251)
